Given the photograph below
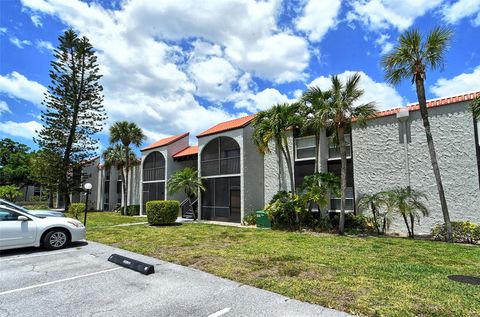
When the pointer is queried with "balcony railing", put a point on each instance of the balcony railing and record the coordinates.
(154, 174)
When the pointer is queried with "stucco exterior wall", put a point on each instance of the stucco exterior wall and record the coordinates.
(379, 162)
(237, 135)
(276, 176)
(253, 172)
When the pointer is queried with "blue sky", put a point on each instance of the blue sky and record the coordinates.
(174, 66)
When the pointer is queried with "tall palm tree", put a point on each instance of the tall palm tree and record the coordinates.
(408, 203)
(126, 133)
(410, 59)
(314, 101)
(114, 156)
(272, 124)
(475, 107)
(186, 180)
(338, 115)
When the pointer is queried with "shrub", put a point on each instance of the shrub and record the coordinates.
(462, 232)
(355, 223)
(250, 219)
(284, 210)
(10, 193)
(133, 210)
(161, 212)
(37, 206)
(76, 209)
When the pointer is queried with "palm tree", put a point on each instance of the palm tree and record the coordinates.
(410, 59)
(475, 107)
(314, 102)
(272, 124)
(186, 180)
(408, 203)
(126, 133)
(337, 116)
(114, 156)
(374, 203)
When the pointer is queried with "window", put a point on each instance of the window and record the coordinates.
(8, 215)
(305, 148)
(335, 167)
(303, 169)
(154, 167)
(334, 149)
(221, 156)
(335, 202)
(221, 199)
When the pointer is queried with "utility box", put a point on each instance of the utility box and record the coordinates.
(262, 220)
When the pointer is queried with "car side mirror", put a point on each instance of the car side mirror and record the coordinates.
(22, 218)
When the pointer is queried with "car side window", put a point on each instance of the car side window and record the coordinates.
(8, 215)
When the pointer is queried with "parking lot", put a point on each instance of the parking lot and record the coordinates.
(79, 281)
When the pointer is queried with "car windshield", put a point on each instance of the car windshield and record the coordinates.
(17, 207)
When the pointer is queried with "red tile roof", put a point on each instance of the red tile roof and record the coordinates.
(228, 125)
(191, 150)
(165, 141)
(431, 104)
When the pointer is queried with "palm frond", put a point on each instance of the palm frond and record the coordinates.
(436, 44)
(475, 108)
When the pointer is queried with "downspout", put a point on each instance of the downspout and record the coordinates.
(403, 116)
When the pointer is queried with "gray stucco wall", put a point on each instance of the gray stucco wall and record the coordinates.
(379, 162)
(275, 168)
(253, 174)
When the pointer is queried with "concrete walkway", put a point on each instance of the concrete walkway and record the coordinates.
(79, 281)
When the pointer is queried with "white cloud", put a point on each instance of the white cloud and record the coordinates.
(382, 14)
(36, 20)
(318, 17)
(18, 86)
(19, 43)
(44, 45)
(149, 76)
(384, 43)
(4, 107)
(214, 78)
(454, 12)
(262, 100)
(459, 84)
(24, 130)
(384, 96)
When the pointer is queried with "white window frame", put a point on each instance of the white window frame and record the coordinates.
(305, 147)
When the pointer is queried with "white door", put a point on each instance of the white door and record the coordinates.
(15, 232)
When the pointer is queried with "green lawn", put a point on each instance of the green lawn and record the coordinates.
(102, 219)
(367, 276)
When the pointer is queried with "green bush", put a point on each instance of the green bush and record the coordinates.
(462, 232)
(355, 223)
(160, 212)
(284, 210)
(250, 219)
(133, 210)
(76, 209)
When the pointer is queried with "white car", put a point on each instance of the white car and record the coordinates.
(19, 229)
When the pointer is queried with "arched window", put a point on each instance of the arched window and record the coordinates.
(221, 156)
(154, 167)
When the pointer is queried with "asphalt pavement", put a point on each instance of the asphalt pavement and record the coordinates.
(79, 281)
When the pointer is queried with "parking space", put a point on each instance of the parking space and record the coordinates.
(79, 281)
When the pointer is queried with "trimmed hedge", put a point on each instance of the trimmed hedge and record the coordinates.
(133, 210)
(76, 209)
(462, 232)
(161, 212)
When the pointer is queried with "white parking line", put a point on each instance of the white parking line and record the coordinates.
(220, 312)
(57, 281)
(35, 255)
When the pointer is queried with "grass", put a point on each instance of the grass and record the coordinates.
(97, 219)
(370, 276)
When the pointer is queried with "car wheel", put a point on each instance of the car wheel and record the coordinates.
(55, 239)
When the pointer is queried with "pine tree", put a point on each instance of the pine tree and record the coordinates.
(73, 108)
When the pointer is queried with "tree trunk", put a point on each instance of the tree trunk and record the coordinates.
(412, 224)
(343, 177)
(384, 228)
(374, 212)
(406, 223)
(125, 188)
(288, 160)
(419, 82)
(317, 152)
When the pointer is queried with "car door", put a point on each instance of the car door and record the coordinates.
(15, 232)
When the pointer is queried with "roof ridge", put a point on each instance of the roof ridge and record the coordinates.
(165, 141)
(216, 128)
